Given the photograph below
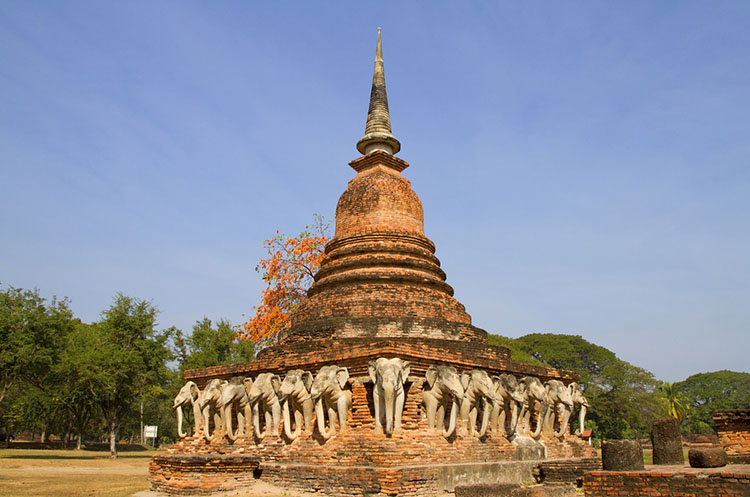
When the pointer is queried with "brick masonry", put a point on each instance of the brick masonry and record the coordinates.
(733, 427)
(661, 482)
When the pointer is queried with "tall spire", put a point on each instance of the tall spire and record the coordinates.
(378, 128)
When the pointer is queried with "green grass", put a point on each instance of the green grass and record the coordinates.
(72, 473)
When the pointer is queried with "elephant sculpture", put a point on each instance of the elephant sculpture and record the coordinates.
(508, 400)
(479, 392)
(329, 394)
(533, 392)
(295, 391)
(388, 377)
(579, 400)
(207, 404)
(442, 390)
(234, 395)
(188, 394)
(264, 401)
(559, 399)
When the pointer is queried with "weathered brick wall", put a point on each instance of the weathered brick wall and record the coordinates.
(733, 427)
(665, 484)
(568, 470)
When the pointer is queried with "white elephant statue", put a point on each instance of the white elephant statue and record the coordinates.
(234, 395)
(442, 391)
(579, 400)
(509, 401)
(294, 395)
(479, 393)
(533, 392)
(207, 404)
(264, 401)
(188, 394)
(560, 400)
(330, 396)
(388, 377)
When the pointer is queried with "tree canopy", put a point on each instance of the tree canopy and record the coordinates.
(705, 392)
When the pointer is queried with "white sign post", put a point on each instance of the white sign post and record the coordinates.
(150, 432)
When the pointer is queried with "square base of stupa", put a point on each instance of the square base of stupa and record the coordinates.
(362, 459)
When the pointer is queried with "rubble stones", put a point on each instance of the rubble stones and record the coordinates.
(667, 441)
(707, 457)
(622, 455)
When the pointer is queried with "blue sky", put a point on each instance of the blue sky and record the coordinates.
(583, 165)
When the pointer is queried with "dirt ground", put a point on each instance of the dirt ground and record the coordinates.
(72, 473)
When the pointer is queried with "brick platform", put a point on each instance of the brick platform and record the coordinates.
(669, 481)
(733, 427)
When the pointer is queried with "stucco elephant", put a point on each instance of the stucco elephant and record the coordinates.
(264, 401)
(388, 378)
(295, 391)
(442, 390)
(329, 394)
(532, 391)
(188, 394)
(234, 396)
(559, 399)
(479, 392)
(579, 400)
(207, 404)
(508, 401)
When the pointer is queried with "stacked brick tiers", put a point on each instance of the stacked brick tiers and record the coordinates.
(733, 427)
(669, 482)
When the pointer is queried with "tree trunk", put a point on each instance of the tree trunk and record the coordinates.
(112, 440)
(141, 432)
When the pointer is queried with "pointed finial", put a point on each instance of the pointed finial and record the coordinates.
(378, 128)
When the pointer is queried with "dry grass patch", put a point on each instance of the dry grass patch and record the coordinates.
(69, 473)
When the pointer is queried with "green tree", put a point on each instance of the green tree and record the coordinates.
(32, 331)
(675, 404)
(621, 395)
(121, 355)
(210, 345)
(705, 392)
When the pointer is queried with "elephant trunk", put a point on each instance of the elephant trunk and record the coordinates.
(181, 433)
(388, 396)
(256, 421)
(206, 422)
(513, 418)
(539, 419)
(564, 422)
(227, 420)
(196, 417)
(485, 418)
(287, 422)
(582, 417)
(452, 424)
(321, 419)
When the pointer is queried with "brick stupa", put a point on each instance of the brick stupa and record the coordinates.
(380, 292)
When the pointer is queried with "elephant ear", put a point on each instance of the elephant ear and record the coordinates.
(307, 380)
(431, 375)
(405, 370)
(465, 379)
(372, 369)
(194, 392)
(342, 376)
(275, 382)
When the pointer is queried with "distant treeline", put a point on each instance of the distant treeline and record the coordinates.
(624, 398)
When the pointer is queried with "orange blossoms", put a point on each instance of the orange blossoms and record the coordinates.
(288, 273)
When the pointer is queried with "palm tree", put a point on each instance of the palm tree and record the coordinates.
(676, 408)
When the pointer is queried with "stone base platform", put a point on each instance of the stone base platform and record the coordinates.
(670, 481)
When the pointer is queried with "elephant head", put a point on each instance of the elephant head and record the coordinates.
(533, 391)
(558, 396)
(478, 390)
(442, 384)
(264, 400)
(188, 394)
(329, 394)
(579, 400)
(234, 394)
(207, 404)
(295, 390)
(389, 377)
(509, 398)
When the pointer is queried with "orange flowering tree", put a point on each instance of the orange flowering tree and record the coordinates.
(288, 272)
